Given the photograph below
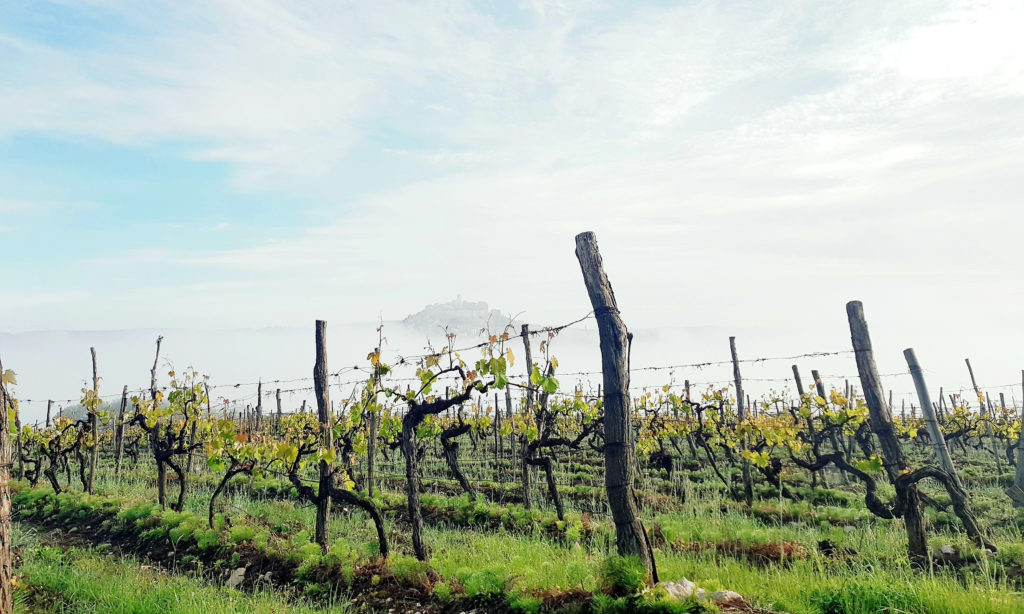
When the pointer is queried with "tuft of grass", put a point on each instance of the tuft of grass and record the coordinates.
(622, 576)
(864, 598)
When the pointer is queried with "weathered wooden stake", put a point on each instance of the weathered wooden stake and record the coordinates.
(94, 424)
(119, 433)
(819, 385)
(6, 567)
(631, 537)
(371, 454)
(748, 486)
(323, 406)
(1016, 492)
(154, 393)
(259, 405)
(934, 432)
(988, 423)
(894, 460)
(277, 397)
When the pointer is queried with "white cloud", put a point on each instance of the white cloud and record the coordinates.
(742, 163)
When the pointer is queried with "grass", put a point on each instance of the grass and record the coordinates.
(53, 580)
(521, 563)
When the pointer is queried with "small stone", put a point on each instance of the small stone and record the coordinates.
(727, 598)
(681, 590)
(236, 577)
(948, 550)
(849, 528)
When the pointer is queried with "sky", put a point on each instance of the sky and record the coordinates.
(252, 163)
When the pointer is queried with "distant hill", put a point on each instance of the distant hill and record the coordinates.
(459, 316)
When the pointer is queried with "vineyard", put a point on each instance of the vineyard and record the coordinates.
(483, 477)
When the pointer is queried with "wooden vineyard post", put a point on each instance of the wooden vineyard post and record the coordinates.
(497, 438)
(526, 471)
(371, 454)
(988, 423)
(881, 423)
(810, 420)
(17, 443)
(323, 406)
(748, 487)
(511, 435)
(819, 386)
(94, 427)
(206, 389)
(49, 408)
(259, 405)
(631, 537)
(161, 468)
(1016, 492)
(525, 334)
(934, 432)
(6, 567)
(277, 397)
(119, 433)
(193, 433)
(524, 456)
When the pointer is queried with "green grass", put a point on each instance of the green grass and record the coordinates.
(523, 562)
(53, 580)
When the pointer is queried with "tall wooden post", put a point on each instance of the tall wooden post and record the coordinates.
(511, 435)
(49, 408)
(525, 334)
(323, 406)
(934, 432)
(94, 423)
(161, 468)
(17, 443)
(259, 405)
(988, 424)
(497, 438)
(119, 433)
(819, 385)
(206, 388)
(1016, 491)
(748, 487)
(894, 460)
(619, 448)
(371, 453)
(277, 396)
(6, 567)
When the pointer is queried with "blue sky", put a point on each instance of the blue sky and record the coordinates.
(259, 162)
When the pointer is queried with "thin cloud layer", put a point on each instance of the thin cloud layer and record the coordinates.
(747, 164)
